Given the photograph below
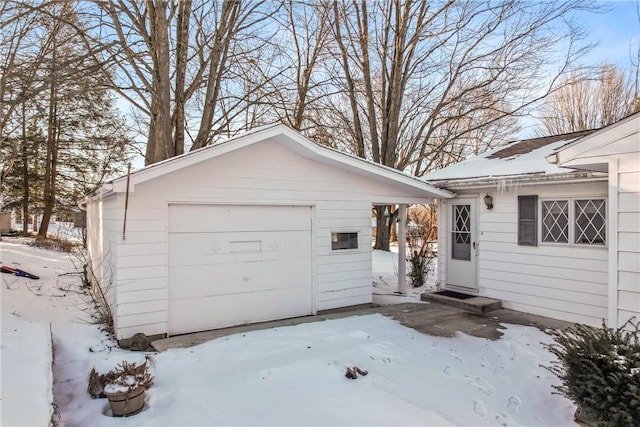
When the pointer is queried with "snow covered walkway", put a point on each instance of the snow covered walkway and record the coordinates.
(27, 382)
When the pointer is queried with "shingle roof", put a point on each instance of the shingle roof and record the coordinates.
(518, 158)
(516, 148)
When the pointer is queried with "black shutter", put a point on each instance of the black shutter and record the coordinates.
(528, 220)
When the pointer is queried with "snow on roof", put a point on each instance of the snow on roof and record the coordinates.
(517, 158)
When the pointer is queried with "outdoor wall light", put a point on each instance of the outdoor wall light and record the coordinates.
(488, 201)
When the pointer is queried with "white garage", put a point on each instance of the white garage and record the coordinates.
(267, 225)
(222, 257)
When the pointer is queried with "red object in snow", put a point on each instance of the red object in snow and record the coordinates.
(18, 272)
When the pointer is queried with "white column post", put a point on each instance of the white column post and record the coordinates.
(402, 249)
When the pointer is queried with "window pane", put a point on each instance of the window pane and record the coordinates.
(555, 221)
(344, 241)
(461, 233)
(591, 221)
(528, 220)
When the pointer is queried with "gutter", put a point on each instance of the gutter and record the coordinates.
(523, 180)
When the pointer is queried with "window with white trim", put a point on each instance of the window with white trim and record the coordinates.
(591, 221)
(577, 221)
(528, 220)
(340, 241)
(555, 221)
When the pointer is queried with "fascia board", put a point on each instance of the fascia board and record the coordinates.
(292, 140)
(585, 150)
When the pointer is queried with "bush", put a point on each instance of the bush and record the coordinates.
(600, 371)
(420, 266)
(54, 243)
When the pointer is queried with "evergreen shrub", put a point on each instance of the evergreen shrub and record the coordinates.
(600, 371)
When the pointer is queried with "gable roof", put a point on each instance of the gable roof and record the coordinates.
(523, 161)
(517, 148)
(287, 137)
(593, 151)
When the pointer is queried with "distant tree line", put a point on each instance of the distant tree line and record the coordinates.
(412, 85)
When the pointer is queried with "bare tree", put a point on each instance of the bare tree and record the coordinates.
(419, 79)
(22, 48)
(75, 102)
(304, 48)
(56, 116)
(583, 103)
(170, 58)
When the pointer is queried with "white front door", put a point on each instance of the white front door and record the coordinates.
(461, 259)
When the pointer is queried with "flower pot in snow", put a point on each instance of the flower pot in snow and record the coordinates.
(123, 401)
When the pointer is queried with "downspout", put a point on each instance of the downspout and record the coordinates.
(126, 203)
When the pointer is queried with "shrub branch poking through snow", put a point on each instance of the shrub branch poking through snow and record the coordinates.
(600, 371)
(98, 287)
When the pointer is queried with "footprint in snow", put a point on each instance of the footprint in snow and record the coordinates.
(498, 369)
(479, 409)
(482, 385)
(447, 371)
(504, 419)
(514, 403)
(455, 356)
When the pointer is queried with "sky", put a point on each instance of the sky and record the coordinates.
(616, 35)
(617, 32)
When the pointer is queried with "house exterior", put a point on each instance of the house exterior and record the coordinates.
(615, 150)
(549, 226)
(264, 226)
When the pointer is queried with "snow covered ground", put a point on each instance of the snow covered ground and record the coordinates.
(282, 376)
(385, 279)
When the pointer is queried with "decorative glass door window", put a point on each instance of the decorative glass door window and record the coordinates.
(461, 232)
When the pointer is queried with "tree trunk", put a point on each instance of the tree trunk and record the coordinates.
(51, 169)
(219, 53)
(52, 152)
(182, 46)
(382, 229)
(25, 174)
(160, 144)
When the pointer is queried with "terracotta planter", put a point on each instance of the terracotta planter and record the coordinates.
(124, 404)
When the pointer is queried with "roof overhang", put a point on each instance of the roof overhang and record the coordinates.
(509, 181)
(593, 152)
(295, 142)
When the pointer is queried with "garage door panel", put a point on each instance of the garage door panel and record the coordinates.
(205, 218)
(222, 311)
(221, 279)
(215, 248)
(231, 265)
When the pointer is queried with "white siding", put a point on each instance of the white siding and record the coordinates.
(567, 282)
(102, 245)
(265, 174)
(627, 257)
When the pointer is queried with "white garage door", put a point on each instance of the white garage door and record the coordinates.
(232, 265)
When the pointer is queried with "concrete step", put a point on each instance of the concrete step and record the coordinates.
(474, 304)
